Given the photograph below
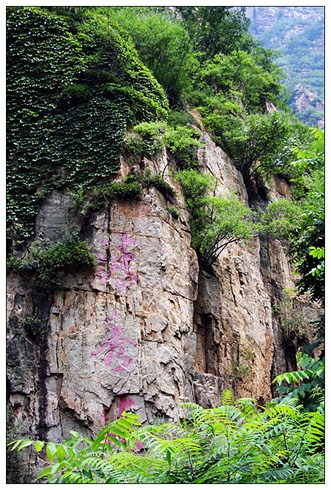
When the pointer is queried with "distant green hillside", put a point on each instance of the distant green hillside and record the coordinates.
(298, 34)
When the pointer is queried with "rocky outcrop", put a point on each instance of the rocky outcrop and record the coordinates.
(306, 99)
(147, 329)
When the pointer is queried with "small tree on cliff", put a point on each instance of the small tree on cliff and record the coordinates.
(216, 222)
(228, 221)
(258, 143)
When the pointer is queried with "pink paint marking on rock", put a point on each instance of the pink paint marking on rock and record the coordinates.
(124, 404)
(139, 446)
(102, 274)
(103, 243)
(114, 317)
(120, 286)
(119, 265)
(126, 241)
(126, 361)
(115, 346)
(133, 277)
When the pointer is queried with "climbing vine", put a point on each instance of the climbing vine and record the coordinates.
(70, 98)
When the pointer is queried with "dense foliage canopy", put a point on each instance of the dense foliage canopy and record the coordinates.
(73, 85)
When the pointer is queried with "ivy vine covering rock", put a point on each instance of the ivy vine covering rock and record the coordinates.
(71, 96)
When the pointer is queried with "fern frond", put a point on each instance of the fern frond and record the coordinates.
(190, 412)
(135, 467)
(281, 410)
(281, 475)
(291, 377)
(227, 397)
(315, 431)
(247, 406)
(157, 445)
(227, 415)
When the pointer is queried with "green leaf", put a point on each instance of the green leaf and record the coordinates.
(51, 451)
(45, 472)
(168, 456)
(114, 440)
(39, 446)
(60, 453)
(25, 443)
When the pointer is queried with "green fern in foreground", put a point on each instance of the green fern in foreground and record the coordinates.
(306, 384)
(237, 442)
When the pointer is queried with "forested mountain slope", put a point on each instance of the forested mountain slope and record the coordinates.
(165, 245)
(298, 34)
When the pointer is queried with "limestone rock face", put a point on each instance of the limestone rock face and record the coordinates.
(147, 329)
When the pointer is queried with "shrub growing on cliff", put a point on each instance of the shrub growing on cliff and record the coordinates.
(49, 259)
(256, 143)
(216, 222)
(163, 44)
(308, 240)
(234, 443)
(33, 326)
(126, 190)
(150, 138)
(280, 218)
(157, 181)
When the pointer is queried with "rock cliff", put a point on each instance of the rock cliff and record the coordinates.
(147, 329)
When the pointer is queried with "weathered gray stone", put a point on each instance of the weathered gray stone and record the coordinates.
(147, 329)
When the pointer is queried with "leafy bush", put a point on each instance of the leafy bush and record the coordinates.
(159, 183)
(216, 222)
(90, 201)
(280, 218)
(215, 29)
(240, 73)
(181, 141)
(116, 190)
(234, 443)
(256, 142)
(33, 326)
(180, 118)
(163, 44)
(318, 253)
(308, 239)
(151, 134)
(48, 260)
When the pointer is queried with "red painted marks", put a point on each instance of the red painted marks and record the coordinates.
(124, 404)
(114, 348)
(119, 266)
(139, 446)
